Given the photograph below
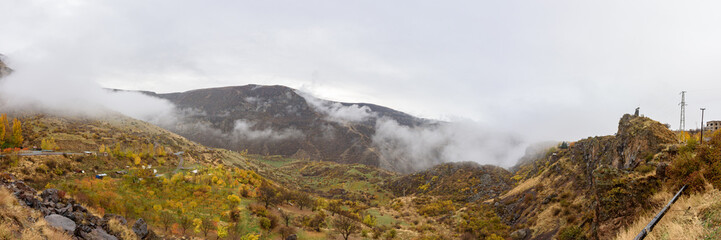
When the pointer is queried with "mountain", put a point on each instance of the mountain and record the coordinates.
(277, 120)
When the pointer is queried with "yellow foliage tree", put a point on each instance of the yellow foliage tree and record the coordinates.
(136, 160)
(17, 133)
(48, 144)
(234, 200)
(197, 223)
(103, 148)
(161, 151)
(222, 229)
(250, 236)
(3, 123)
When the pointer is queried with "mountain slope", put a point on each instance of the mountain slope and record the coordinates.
(277, 120)
(462, 182)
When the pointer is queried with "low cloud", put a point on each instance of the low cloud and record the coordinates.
(242, 131)
(40, 85)
(418, 148)
(338, 112)
(246, 130)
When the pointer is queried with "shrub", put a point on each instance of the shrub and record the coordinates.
(264, 223)
(713, 174)
(437, 208)
(482, 222)
(685, 170)
(286, 231)
(645, 168)
(571, 233)
(258, 210)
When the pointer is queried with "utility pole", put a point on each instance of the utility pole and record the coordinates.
(702, 110)
(683, 111)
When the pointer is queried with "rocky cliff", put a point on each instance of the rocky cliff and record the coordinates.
(595, 187)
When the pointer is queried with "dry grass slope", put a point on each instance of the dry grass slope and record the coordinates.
(20, 222)
(683, 221)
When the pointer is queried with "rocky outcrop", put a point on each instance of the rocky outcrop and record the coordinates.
(592, 182)
(637, 140)
(4, 69)
(64, 213)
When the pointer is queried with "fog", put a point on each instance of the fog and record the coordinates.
(434, 142)
(53, 85)
(336, 111)
(560, 70)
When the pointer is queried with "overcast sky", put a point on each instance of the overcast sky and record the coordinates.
(548, 70)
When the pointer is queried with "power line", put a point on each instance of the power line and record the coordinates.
(683, 111)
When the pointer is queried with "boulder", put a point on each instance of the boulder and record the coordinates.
(292, 237)
(99, 234)
(661, 170)
(61, 222)
(521, 234)
(50, 195)
(140, 228)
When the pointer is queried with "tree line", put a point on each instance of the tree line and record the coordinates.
(11, 135)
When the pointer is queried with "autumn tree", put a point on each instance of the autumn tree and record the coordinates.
(369, 220)
(185, 222)
(17, 137)
(160, 152)
(48, 144)
(334, 206)
(345, 226)
(286, 216)
(318, 221)
(136, 160)
(268, 194)
(166, 218)
(233, 201)
(222, 229)
(3, 123)
(303, 200)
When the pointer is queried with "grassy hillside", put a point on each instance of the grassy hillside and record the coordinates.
(596, 188)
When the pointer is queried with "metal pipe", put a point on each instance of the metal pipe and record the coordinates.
(658, 216)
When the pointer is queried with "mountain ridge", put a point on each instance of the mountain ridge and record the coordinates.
(278, 120)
